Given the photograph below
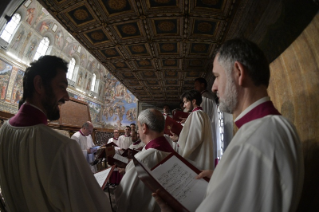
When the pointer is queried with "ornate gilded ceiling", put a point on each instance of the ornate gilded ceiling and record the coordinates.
(156, 48)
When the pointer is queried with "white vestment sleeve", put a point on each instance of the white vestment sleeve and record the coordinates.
(76, 183)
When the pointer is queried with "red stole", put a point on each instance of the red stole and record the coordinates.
(137, 142)
(262, 110)
(81, 133)
(28, 116)
(115, 138)
(197, 108)
(160, 144)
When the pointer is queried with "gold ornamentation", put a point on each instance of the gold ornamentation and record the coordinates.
(210, 2)
(204, 27)
(162, 1)
(129, 29)
(120, 65)
(170, 73)
(81, 14)
(168, 47)
(171, 82)
(199, 47)
(193, 73)
(128, 74)
(149, 73)
(110, 52)
(170, 62)
(97, 35)
(196, 62)
(144, 62)
(117, 4)
(138, 49)
(155, 88)
(166, 26)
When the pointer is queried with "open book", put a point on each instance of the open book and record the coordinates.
(103, 176)
(118, 160)
(129, 153)
(172, 125)
(174, 180)
(179, 115)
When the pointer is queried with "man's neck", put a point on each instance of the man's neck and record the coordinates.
(151, 137)
(36, 103)
(248, 97)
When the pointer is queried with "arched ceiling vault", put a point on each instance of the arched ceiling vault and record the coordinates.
(156, 48)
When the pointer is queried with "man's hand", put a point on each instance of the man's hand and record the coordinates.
(164, 207)
(174, 137)
(121, 170)
(205, 173)
(183, 120)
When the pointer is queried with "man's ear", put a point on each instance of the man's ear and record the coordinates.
(38, 85)
(144, 128)
(194, 102)
(240, 73)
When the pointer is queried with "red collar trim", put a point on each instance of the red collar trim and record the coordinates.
(28, 116)
(262, 110)
(197, 108)
(115, 138)
(137, 142)
(81, 132)
(161, 144)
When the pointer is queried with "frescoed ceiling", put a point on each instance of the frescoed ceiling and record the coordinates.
(156, 48)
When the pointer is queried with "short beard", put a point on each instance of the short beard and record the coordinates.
(50, 105)
(229, 102)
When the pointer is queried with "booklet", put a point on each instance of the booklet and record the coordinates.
(174, 179)
(172, 125)
(118, 160)
(103, 176)
(179, 115)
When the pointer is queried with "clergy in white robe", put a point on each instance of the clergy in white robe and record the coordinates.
(137, 144)
(195, 140)
(210, 107)
(42, 170)
(125, 140)
(167, 112)
(115, 137)
(86, 143)
(132, 194)
(262, 168)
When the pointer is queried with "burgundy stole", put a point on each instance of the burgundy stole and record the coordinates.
(28, 116)
(262, 110)
(197, 108)
(161, 144)
(137, 142)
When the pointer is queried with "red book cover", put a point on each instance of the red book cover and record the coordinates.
(172, 125)
(179, 115)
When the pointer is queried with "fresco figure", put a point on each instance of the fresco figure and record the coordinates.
(17, 41)
(30, 15)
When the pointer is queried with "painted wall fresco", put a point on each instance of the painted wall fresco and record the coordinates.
(113, 106)
(5, 73)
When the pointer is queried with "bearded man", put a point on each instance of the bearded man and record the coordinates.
(40, 168)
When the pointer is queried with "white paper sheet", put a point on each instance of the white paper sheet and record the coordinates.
(179, 180)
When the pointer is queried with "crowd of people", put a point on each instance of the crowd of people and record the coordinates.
(261, 170)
